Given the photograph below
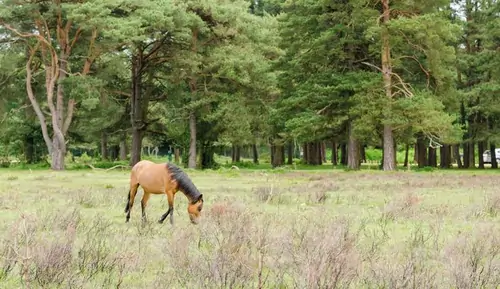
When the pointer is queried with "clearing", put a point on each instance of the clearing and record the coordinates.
(259, 229)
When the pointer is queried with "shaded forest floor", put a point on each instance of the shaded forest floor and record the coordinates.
(302, 229)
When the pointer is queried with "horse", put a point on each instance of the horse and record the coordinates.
(164, 178)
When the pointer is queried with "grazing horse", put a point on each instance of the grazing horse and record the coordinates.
(164, 178)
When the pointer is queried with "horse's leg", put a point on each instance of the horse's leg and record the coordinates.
(133, 192)
(144, 202)
(170, 211)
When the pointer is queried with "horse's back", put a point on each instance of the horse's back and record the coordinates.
(150, 176)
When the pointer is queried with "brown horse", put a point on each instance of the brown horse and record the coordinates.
(166, 179)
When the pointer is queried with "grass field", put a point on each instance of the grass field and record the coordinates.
(293, 229)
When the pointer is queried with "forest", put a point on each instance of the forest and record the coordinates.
(280, 82)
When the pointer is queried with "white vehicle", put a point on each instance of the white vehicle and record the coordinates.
(487, 156)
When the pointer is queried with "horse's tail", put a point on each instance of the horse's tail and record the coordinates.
(127, 206)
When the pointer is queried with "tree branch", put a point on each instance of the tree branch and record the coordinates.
(157, 45)
(69, 116)
(421, 67)
(34, 102)
(91, 56)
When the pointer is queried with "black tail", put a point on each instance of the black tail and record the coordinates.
(128, 202)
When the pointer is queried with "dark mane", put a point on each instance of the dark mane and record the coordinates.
(185, 183)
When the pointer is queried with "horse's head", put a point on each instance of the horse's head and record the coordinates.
(194, 209)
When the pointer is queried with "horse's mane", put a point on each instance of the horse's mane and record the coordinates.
(185, 183)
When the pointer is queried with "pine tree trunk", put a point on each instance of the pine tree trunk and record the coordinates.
(445, 159)
(353, 150)
(104, 146)
(472, 159)
(335, 154)
(323, 152)
(407, 150)
(481, 147)
(494, 157)
(192, 141)
(255, 154)
(456, 149)
(422, 152)
(290, 153)
(343, 154)
(432, 161)
(305, 157)
(58, 153)
(388, 138)
(415, 153)
(138, 109)
(277, 152)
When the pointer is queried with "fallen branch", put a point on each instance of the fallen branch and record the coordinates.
(112, 168)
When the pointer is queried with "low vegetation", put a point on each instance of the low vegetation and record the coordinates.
(260, 229)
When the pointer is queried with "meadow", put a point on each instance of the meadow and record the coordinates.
(259, 229)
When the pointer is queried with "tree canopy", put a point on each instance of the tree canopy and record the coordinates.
(274, 81)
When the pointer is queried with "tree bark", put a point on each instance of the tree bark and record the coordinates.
(432, 161)
(415, 153)
(192, 141)
(335, 156)
(472, 159)
(236, 153)
(343, 154)
(323, 152)
(456, 149)
(422, 152)
(290, 152)
(255, 154)
(138, 108)
(389, 154)
(305, 157)
(481, 147)
(407, 149)
(445, 156)
(352, 150)
(494, 157)
(277, 152)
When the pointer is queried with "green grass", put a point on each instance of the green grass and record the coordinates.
(297, 228)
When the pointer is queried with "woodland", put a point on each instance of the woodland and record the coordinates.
(279, 81)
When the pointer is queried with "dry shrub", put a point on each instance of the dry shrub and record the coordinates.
(95, 255)
(84, 198)
(492, 205)
(474, 259)
(324, 256)
(413, 266)
(222, 256)
(401, 206)
(269, 194)
(17, 246)
(42, 251)
(51, 263)
(318, 197)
